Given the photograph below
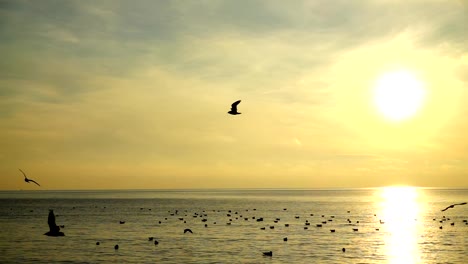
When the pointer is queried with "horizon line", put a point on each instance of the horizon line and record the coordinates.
(252, 189)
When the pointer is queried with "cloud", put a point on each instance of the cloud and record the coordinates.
(216, 39)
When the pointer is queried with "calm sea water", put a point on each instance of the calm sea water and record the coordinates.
(394, 225)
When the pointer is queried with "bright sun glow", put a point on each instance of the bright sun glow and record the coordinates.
(398, 95)
(400, 209)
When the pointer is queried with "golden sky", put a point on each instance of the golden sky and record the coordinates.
(129, 95)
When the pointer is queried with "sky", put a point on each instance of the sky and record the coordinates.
(134, 94)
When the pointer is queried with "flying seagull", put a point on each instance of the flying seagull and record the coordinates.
(187, 230)
(28, 180)
(451, 206)
(234, 108)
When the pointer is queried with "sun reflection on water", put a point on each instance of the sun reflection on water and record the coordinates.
(400, 209)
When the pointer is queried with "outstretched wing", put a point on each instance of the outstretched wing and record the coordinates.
(23, 173)
(461, 204)
(234, 105)
(34, 182)
(445, 209)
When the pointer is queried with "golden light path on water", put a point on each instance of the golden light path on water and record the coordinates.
(400, 207)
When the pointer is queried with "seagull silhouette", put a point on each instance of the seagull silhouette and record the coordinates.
(28, 180)
(452, 206)
(234, 108)
(187, 230)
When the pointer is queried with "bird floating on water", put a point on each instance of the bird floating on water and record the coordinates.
(54, 229)
(268, 253)
(452, 206)
(28, 180)
(233, 110)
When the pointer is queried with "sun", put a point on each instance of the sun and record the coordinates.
(398, 95)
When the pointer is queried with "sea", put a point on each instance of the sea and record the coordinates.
(372, 225)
